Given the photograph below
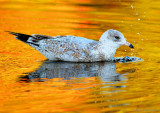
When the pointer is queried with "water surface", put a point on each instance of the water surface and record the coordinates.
(30, 84)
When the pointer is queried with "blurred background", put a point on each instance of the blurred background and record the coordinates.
(135, 90)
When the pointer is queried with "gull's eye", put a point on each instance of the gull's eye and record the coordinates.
(117, 37)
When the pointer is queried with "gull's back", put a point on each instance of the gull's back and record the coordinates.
(68, 48)
(65, 48)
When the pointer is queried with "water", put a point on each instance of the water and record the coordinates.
(28, 83)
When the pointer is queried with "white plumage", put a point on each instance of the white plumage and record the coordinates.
(76, 49)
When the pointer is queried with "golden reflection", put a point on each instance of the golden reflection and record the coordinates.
(79, 84)
(131, 88)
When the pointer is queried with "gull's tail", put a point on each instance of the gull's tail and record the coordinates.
(20, 36)
(34, 40)
(24, 38)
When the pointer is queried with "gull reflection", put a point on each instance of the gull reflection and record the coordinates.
(67, 70)
(106, 71)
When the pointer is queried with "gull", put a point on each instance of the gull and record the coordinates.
(75, 49)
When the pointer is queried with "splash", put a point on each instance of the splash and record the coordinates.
(126, 59)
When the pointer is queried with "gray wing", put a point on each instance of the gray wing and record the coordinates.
(69, 43)
(32, 40)
(39, 37)
(69, 47)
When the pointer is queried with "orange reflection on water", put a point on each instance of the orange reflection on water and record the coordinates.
(55, 95)
(135, 85)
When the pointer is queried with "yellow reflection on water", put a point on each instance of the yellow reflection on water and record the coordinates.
(121, 87)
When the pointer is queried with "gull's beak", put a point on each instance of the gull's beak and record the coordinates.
(129, 45)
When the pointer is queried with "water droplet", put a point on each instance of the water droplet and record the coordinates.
(136, 13)
(139, 19)
(132, 6)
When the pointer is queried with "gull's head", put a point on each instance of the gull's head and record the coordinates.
(114, 38)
